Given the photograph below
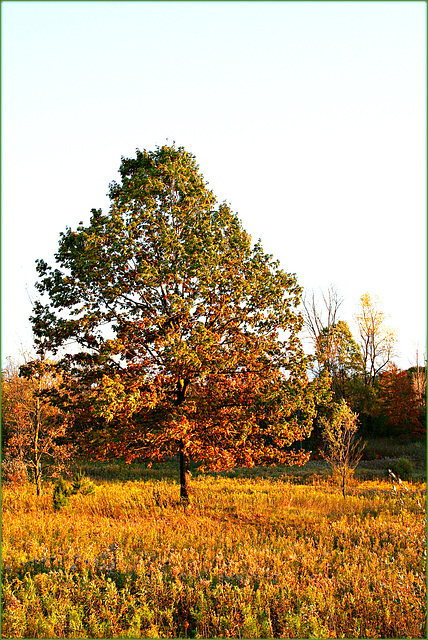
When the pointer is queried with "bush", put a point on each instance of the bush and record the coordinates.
(63, 489)
(82, 484)
(403, 468)
(62, 493)
(14, 471)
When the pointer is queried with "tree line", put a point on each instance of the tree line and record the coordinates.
(362, 371)
(163, 330)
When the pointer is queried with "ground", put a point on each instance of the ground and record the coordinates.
(258, 553)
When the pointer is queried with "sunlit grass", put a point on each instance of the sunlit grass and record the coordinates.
(250, 557)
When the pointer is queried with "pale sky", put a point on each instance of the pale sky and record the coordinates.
(309, 118)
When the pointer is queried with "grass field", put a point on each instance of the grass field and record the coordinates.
(257, 554)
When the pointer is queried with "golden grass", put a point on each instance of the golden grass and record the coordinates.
(249, 558)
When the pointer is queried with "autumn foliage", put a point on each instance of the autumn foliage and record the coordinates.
(33, 430)
(400, 403)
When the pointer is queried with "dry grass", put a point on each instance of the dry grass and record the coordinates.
(249, 558)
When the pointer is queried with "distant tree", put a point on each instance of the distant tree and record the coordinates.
(418, 374)
(399, 403)
(342, 449)
(344, 358)
(335, 350)
(319, 319)
(377, 341)
(185, 335)
(32, 430)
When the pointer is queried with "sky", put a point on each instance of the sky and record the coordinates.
(308, 118)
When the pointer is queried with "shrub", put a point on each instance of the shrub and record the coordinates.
(63, 489)
(82, 484)
(61, 494)
(14, 471)
(403, 468)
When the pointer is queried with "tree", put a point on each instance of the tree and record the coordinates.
(319, 319)
(32, 430)
(377, 342)
(344, 361)
(186, 335)
(335, 350)
(419, 379)
(343, 451)
(400, 403)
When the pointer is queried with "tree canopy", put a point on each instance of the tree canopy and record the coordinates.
(184, 333)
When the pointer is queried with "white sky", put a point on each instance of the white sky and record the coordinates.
(309, 118)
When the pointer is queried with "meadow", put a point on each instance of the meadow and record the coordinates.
(258, 554)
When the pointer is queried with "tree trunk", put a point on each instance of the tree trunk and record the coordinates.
(184, 463)
(184, 475)
(38, 478)
(37, 465)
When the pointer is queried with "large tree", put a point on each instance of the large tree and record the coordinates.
(185, 334)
